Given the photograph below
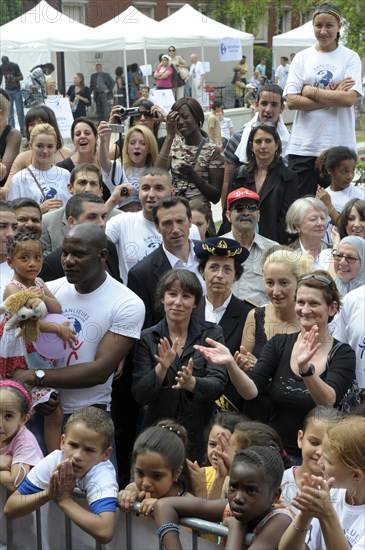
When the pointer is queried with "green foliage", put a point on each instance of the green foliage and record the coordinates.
(9, 10)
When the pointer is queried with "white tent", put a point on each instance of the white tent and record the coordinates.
(45, 29)
(292, 42)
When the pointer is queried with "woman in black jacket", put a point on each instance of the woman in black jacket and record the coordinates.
(266, 174)
(170, 378)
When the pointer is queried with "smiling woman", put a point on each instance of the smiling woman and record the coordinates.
(169, 376)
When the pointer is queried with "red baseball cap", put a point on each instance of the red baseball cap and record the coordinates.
(241, 193)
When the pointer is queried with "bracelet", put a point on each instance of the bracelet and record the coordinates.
(299, 529)
(166, 528)
(329, 212)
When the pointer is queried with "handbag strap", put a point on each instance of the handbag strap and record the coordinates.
(200, 147)
(38, 184)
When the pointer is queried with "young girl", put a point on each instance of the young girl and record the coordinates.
(139, 152)
(310, 442)
(339, 163)
(25, 256)
(41, 181)
(254, 488)
(338, 512)
(19, 450)
(160, 468)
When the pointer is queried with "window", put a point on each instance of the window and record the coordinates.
(75, 9)
(147, 8)
(285, 21)
(173, 7)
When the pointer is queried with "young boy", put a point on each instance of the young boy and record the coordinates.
(82, 462)
(214, 125)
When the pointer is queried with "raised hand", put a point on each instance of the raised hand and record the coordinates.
(185, 379)
(308, 346)
(217, 353)
(166, 353)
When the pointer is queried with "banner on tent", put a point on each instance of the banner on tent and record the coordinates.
(230, 49)
(62, 110)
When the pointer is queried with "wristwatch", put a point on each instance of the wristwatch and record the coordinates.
(40, 374)
(309, 372)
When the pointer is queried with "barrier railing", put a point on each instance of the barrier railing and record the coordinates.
(49, 529)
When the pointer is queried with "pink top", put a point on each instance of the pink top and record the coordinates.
(23, 448)
(164, 83)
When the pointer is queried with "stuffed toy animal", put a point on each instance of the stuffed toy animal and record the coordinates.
(25, 309)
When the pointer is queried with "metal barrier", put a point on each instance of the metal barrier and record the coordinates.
(132, 532)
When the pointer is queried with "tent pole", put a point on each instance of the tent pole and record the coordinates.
(126, 75)
(145, 61)
(61, 77)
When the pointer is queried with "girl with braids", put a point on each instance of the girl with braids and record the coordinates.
(339, 163)
(160, 467)
(250, 515)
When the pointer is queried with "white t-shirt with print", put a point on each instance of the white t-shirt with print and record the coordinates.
(112, 307)
(315, 131)
(135, 237)
(53, 183)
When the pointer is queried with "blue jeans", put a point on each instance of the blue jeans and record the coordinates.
(16, 97)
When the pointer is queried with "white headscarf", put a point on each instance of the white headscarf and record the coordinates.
(359, 244)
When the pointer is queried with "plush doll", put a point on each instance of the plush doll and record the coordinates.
(25, 309)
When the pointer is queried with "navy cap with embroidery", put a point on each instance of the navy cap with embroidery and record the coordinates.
(221, 246)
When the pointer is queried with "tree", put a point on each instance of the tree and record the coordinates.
(9, 10)
(253, 13)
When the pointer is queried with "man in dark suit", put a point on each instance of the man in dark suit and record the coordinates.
(84, 207)
(220, 263)
(101, 85)
(172, 217)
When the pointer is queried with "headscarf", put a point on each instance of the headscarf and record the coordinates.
(359, 244)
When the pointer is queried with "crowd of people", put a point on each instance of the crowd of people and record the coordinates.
(195, 361)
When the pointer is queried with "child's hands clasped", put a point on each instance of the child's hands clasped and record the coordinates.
(63, 481)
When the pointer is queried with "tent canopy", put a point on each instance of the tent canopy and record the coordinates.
(45, 29)
(188, 27)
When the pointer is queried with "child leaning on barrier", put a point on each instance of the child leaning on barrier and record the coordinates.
(82, 462)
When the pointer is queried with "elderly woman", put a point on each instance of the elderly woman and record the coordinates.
(170, 378)
(303, 369)
(307, 219)
(220, 263)
(266, 174)
(196, 164)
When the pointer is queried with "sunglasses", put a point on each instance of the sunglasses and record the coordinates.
(320, 278)
(337, 257)
(241, 207)
(146, 114)
(262, 124)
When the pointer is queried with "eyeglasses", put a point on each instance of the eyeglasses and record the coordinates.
(337, 257)
(259, 124)
(320, 278)
(215, 268)
(241, 207)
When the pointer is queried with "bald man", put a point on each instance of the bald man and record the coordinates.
(106, 315)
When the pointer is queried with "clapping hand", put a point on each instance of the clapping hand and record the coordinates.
(314, 497)
(244, 359)
(217, 353)
(185, 379)
(166, 353)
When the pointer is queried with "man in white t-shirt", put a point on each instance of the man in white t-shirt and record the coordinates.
(135, 234)
(282, 71)
(8, 226)
(106, 316)
(197, 75)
